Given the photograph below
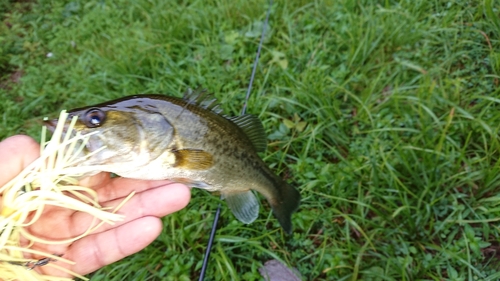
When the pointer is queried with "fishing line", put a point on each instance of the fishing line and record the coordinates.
(252, 76)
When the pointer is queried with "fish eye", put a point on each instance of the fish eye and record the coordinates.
(94, 117)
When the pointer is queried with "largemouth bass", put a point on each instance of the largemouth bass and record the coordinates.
(187, 140)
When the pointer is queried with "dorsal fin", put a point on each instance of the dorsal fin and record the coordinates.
(253, 128)
(202, 98)
(250, 124)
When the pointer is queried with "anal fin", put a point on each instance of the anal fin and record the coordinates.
(244, 205)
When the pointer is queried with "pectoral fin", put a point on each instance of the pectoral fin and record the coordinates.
(244, 205)
(193, 159)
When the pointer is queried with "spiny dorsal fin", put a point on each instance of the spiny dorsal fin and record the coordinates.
(244, 205)
(202, 98)
(250, 124)
(253, 128)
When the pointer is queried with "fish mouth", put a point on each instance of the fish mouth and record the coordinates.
(51, 124)
(55, 128)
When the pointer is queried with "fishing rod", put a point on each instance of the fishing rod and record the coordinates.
(249, 90)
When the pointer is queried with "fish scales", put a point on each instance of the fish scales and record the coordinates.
(156, 137)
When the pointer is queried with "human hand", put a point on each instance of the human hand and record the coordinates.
(109, 243)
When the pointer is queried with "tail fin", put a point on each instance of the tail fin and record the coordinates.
(287, 202)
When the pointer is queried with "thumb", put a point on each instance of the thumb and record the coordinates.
(16, 153)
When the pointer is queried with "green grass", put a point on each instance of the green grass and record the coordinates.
(384, 114)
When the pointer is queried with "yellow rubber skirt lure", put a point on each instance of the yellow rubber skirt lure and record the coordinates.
(52, 179)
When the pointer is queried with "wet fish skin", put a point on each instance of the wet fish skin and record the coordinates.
(155, 137)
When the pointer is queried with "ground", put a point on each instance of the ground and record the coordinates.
(384, 114)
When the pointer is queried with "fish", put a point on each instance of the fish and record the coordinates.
(186, 140)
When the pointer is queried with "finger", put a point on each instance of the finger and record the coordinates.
(16, 152)
(158, 202)
(95, 181)
(95, 251)
(115, 244)
(120, 187)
